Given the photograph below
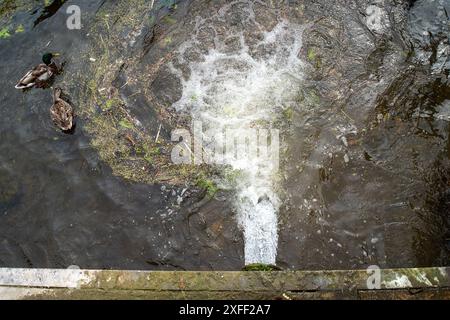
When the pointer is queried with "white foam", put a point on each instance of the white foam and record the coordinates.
(237, 89)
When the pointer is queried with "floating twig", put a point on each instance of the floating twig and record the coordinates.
(159, 131)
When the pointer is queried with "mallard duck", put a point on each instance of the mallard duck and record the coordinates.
(39, 75)
(61, 111)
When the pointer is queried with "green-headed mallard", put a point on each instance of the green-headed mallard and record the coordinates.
(39, 75)
(61, 111)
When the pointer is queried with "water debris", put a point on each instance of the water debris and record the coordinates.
(346, 158)
(20, 29)
(157, 135)
(380, 117)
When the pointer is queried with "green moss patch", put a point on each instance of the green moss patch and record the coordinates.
(208, 185)
(314, 58)
(260, 267)
(4, 33)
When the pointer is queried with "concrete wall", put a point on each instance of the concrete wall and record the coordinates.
(420, 283)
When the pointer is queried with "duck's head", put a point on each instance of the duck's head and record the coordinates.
(48, 57)
(57, 92)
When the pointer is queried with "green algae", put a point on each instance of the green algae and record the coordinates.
(314, 58)
(231, 175)
(4, 33)
(208, 185)
(169, 20)
(125, 123)
(288, 113)
(20, 29)
(131, 150)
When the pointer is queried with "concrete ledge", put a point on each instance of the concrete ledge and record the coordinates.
(415, 283)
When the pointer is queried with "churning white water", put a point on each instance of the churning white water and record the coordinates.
(236, 90)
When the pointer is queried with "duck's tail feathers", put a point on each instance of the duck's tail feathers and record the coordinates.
(21, 86)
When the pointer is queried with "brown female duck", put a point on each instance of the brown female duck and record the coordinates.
(61, 111)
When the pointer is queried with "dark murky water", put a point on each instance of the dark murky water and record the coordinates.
(366, 176)
(60, 204)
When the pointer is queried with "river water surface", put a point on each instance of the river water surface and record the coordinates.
(359, 93)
